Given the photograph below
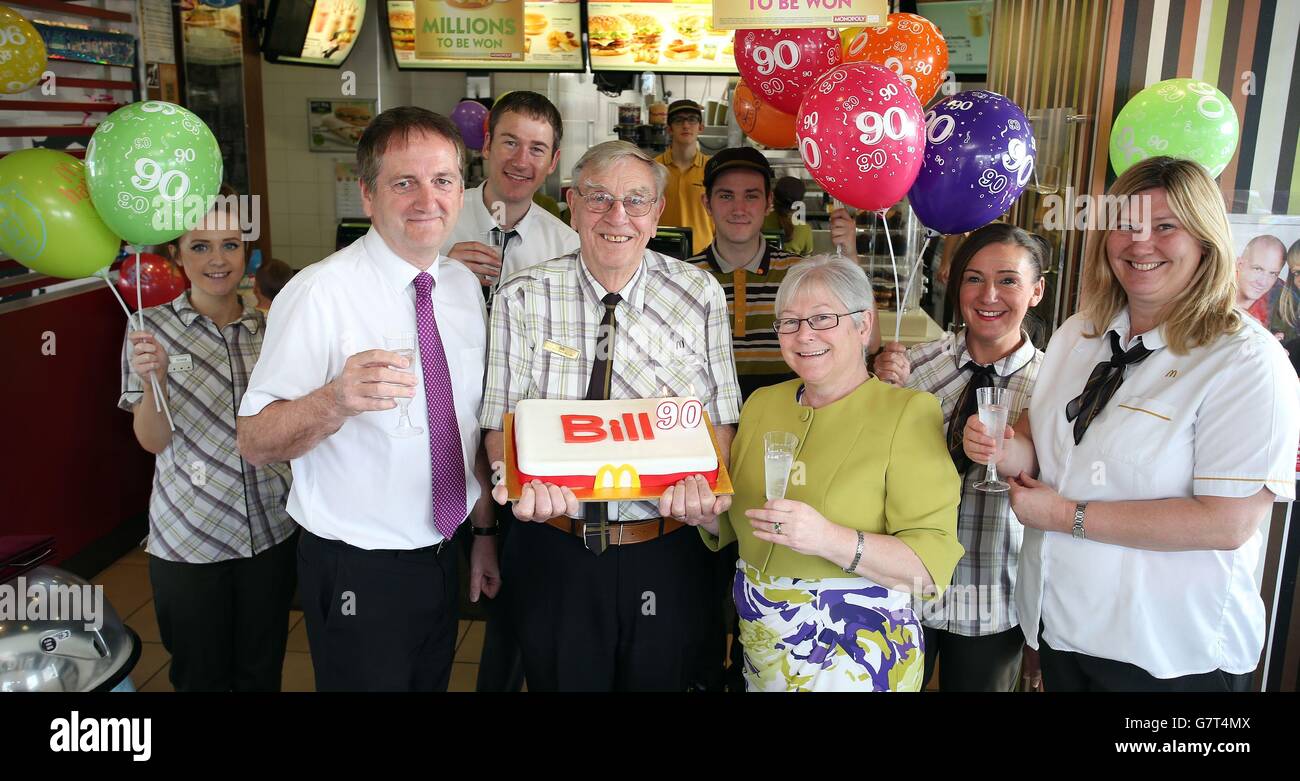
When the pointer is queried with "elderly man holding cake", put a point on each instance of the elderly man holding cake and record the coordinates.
(613, 596)
(845, 503)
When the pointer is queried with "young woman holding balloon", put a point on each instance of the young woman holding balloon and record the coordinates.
(996, 276)
(221, 549)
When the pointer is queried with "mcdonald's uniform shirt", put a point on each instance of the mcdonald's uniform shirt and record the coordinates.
(683, 207)
(545, 324)
(1221, 420)
(751, 302)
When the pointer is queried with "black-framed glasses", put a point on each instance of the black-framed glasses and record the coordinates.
(600, 202)
(689, 119)
(790, 325)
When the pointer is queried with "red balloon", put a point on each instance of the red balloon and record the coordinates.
(160, 280)
(909, 45)
(762, 122)
(861, 135)
(780, 65)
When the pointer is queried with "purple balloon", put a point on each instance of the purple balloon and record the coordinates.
(979, 156)
(469, 116)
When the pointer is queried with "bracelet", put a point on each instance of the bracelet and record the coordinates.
(486, 531)
(857, 557)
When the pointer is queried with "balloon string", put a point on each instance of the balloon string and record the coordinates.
(893, 262)
(159, 404)
(916, 268)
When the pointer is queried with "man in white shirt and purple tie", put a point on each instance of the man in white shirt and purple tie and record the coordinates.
(379, 496)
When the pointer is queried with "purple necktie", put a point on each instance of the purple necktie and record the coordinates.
(445, 451)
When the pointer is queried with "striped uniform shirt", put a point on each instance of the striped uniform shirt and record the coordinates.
(751, 304)
(672, 339)
(980, 600)
(208, 504)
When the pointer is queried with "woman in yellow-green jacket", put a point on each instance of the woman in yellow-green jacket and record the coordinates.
(825, 583)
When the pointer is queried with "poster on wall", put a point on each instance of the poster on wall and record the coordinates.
(764, 14)
(967, 26)
(673, 35)
(552, 39)
(337, 125)
(213, 36)
(469, 30)
(1267, 249)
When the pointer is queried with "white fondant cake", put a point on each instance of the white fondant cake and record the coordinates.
(622, 443)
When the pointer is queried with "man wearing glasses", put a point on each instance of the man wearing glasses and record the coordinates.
(683, 207)
(613, 596)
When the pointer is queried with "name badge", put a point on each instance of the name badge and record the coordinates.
(179, 363)
(559, 349)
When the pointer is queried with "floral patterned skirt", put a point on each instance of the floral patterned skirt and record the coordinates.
(835, 634)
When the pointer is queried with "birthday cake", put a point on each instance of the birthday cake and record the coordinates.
(618, 444)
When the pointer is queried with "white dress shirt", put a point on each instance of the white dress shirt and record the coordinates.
(1222, 420)
(361, 485)
(542, 235)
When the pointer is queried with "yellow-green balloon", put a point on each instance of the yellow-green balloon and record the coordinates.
(47, 222)
(22, 53)
(1183, 118)
(154, 170)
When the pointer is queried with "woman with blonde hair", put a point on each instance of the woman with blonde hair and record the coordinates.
(1163, 427)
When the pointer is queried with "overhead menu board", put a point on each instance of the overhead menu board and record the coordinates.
(675, 36)
(552, 39)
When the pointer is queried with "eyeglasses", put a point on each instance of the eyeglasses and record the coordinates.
(790, 325)
(689, 119)
(599, 202)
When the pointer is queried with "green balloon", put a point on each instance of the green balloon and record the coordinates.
(154, 170)
(1180, 118)
(47, 222)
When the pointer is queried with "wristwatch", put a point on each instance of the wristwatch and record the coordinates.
(1079, 510)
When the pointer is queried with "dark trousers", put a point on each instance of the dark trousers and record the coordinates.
(379, 620)
(974, 664)
(1067, 671)
(501, 667)
(640, 617)
(225, 624)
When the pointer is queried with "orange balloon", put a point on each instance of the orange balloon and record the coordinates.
(909, 45)
(760, 121)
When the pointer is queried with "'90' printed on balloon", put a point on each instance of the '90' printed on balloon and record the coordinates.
(979, 159)
(151, 166)
(780, 65)
(861, 135)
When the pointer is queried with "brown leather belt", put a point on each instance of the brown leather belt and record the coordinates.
(628, 533)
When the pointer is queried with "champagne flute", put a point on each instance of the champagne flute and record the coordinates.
(993, 414)
(778, 457)
(404, 345)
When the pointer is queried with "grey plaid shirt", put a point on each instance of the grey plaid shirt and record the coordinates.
(980, 600)
(208, 504)
(673, 339)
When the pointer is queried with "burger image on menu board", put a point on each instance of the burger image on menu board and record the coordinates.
(534, 23)
(692, 26)
(645, 29)
(469, 3)
(402, 25)
(609, 36)
(682, 50)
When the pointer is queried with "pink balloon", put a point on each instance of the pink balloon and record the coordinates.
(780, 65)
(861, 135)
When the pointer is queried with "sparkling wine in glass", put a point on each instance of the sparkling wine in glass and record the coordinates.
(404, 345)
(993, 414)
(778, 458)
(496, 239)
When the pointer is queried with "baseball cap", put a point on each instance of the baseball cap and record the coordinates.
(746, 157)
(678, 106)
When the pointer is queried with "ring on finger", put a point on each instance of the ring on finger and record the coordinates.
(776, 527)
